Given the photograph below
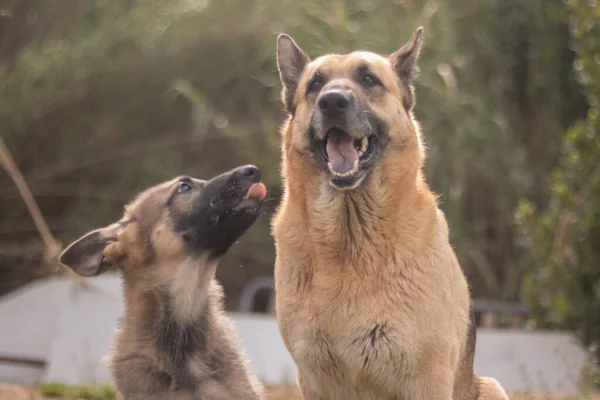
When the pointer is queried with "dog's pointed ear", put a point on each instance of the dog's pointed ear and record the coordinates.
(291, 61)
(404, 62)
(86, 255)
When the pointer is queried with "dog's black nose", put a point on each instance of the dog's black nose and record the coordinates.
(334, 102)
(248, 171)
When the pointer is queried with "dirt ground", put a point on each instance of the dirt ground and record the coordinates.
(15, 392)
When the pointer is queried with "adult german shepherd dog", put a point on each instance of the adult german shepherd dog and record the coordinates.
(175, 342)
(370, 298)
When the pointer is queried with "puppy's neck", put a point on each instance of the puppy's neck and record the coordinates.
(179, 314)
(186, 284)
(189, 287)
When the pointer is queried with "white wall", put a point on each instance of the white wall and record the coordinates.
(72, 330)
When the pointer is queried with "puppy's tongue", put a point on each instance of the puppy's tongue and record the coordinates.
(257, 191)
(341, 152)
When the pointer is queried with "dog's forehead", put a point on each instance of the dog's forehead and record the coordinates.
(149, 197)
(160, 190)
(155, 197)
(338, 64)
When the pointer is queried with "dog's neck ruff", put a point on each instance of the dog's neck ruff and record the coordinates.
(364, 226)
(189, 286)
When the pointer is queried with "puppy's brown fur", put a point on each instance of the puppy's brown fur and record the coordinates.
(174, 341)
(370, 298)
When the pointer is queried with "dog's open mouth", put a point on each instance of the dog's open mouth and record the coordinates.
(347, 156)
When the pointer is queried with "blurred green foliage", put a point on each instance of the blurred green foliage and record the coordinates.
(80, 392)
(110, 96)
(563, 241)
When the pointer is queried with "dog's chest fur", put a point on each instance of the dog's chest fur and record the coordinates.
(181, 342)
(365, 338)
(359, 354)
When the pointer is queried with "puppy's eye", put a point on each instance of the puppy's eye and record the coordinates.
(183, 187)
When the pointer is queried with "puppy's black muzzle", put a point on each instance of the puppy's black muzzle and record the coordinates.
(249, 172)
(227, 190)
(221, 211)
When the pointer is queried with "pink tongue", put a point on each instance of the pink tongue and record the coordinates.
(257, 191)
(341, 152)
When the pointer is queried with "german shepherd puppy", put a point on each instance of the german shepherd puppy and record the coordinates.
(175, 342)
(370, 298)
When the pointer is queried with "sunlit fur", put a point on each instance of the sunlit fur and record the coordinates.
(370, 299)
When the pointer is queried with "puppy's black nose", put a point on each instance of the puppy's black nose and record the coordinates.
(334, 102)
(248, 171)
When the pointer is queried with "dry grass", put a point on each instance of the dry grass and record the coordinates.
(291, 393)
(17, 392)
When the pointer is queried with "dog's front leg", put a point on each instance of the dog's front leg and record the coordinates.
(436, 383)
(307, 392)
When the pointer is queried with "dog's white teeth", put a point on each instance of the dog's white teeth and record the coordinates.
(341, 175)
(349, 173)
(364, 144)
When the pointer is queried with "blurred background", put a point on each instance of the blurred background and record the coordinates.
(101, 98)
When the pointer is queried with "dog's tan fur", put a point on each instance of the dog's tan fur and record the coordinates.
(370, 298)
(156, 265)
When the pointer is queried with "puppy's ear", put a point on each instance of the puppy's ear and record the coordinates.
(404, 62)
(291, 61)
(86, 255)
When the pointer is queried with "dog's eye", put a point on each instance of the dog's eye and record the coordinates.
(370, 80)
(183, 187)
(316, 83)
